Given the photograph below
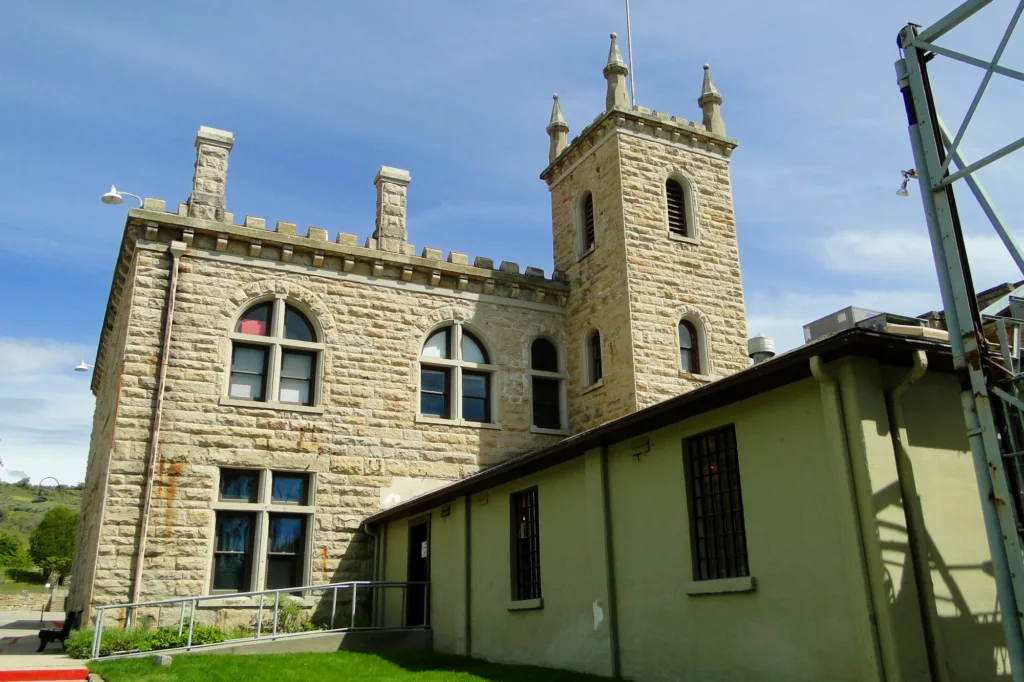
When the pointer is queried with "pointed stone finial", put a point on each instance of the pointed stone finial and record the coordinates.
(615, 72)
(557, 130)
(710, 102)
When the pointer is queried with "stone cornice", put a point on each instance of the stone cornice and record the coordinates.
(654, 124)
(283, 245)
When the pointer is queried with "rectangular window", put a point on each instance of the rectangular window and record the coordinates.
(434, 392)
(546, 411)
(297, 377)
(232, 555)
(525, 534)
(286, 541)
(239, 485)
(476, 397)
(717, 529)
(289, 488)
(248, 372)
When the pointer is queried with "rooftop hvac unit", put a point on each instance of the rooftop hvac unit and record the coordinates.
(855, 317)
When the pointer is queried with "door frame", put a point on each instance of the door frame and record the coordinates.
(424, 519)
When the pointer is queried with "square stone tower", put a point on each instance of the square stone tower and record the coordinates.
(643, 226)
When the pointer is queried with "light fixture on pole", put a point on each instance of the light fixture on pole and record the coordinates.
(908, 175)
(82, 367)
(115, 197)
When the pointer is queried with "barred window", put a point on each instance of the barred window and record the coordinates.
(717, 531)
(525, 546)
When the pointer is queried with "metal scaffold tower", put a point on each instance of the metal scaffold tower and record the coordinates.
(986, 349)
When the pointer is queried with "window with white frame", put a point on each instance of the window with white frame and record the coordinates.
(457, 377)
(263, 520)
(276, 356)
(547, 386)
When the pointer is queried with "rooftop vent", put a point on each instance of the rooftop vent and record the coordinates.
(857, 317)
(761, 348)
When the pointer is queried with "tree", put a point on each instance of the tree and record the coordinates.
(52, 543)
(24, 482)
(10, 545)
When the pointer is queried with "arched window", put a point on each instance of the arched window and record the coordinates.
(585, 223)
(679, 208)
(692, 354)
(547, 384)
(456, 377)
(593, 351)
(276, 356)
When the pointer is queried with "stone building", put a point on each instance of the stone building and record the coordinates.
(260, 392)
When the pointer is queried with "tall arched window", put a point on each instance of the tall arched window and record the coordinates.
(547, 385)
(586, 234)
(276, 356)
(456, 377)
(691, 358)
(595, 372)
(679, 208)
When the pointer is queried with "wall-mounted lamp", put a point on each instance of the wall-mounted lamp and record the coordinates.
(82, 367)
(908, 175)
(114, 197)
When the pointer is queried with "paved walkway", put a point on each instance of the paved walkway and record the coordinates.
(19, 641)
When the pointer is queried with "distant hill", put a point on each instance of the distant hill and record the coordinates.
(20, 513)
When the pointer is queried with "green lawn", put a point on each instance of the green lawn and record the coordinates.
(9, 587)
(342, 665)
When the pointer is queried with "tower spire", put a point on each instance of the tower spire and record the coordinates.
(615, 73)
(557, 130)
(710, 102)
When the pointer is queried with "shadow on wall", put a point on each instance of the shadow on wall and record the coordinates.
(488, 671)
(973, 642)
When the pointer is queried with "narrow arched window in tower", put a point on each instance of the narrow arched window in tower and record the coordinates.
(689, 348)
(675, 199)
(594, 369)
(587, 232)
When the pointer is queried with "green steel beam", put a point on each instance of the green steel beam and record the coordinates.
(953, 19)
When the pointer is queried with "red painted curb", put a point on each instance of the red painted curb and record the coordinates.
(40, 675)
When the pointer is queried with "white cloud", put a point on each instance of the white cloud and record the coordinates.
(45, 410)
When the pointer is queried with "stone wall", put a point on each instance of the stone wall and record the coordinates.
(669, 278)
(599, 293)
(367, 439)
(30, 601)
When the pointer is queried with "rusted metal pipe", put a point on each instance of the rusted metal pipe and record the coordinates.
(176, 250)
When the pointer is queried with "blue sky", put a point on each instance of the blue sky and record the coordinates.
(320, 94)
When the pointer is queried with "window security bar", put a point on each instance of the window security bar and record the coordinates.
(171, 613)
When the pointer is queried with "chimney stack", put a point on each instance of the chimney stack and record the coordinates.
(211, 173)
(390, 232)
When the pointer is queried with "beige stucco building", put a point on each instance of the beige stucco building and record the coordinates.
(811, 518)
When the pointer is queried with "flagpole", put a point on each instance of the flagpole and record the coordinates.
(629, 49)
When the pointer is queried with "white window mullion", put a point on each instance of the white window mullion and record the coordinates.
(259, 563)
(277, 321)
(274, 374)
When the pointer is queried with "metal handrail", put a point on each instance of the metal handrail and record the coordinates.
(194, 602)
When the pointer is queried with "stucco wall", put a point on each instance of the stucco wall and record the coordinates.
(800, 623)
(941, 471)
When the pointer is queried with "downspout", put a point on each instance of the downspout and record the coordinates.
(916, 531)
(374, 532)
(176, 250)
(609, 558)
(831, 384)
(468, 598)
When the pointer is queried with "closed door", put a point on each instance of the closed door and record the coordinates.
(417, 603)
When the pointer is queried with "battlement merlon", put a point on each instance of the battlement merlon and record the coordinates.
(251, 244)
(642, 122)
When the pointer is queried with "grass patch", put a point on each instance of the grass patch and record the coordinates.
(342, 665)
(15, 587)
